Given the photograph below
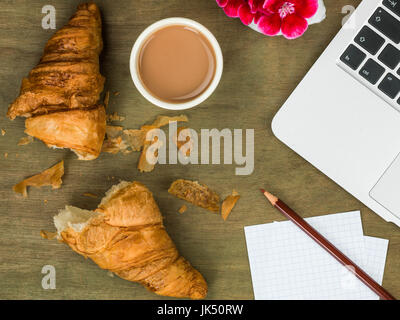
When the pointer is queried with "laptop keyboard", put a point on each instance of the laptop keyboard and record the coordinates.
(374, 55)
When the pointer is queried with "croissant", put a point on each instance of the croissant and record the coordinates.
(126, 235)
(82, 131)
(64, 88)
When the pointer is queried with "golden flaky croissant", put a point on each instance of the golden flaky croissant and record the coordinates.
(126, 235)
(64, 88)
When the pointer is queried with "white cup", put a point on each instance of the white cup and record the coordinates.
(136, 53)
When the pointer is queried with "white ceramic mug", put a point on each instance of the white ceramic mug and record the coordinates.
(136, 53)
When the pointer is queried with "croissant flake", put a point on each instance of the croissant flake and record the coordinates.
(186, 144)
(134, 138)
(228, 204)
(115, 117)
(48, 235)
(182, 209)
(50, 177)
(162, 121)
(113, 131)
(25, 141)
(114, 145)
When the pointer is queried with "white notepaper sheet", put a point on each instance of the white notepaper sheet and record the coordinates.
(376, 252)
(286, 263)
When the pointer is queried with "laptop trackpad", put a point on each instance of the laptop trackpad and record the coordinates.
(387, 191)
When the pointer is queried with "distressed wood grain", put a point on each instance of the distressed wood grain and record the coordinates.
(259, 74)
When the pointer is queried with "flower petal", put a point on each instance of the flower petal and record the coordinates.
(306, 8)
(273, 5)
(222, 3)
(256, 5)
(232, 8)
(257, 17)
(245, 14)
(293, 26)
(270, 25)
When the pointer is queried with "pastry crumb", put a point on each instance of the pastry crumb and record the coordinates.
(48, 235)
(90, 195)
(115, 117)
(106, 100)
(3, 132)
(116, 93)
(110, 274)
(113, 131)
(182, 209)
(6, 155)
(114, 145)
(134, 138)
(25, 141)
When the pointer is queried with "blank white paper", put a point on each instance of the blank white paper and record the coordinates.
(376, 252)
(285, 263)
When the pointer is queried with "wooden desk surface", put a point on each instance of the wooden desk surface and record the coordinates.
(259, 74)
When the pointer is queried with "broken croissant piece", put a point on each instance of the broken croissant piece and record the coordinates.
(82, 131)
(63, 90)
(50, 177)
(195, 193)
(126, 236)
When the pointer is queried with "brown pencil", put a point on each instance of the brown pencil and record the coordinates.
(324, 243)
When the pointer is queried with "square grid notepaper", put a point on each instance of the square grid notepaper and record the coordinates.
(286, 263)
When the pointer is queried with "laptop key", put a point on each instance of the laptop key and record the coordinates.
(372, 71)
(353, 57)
(393, 5)
(369, 40)
(390, 56)
(387, 24)
(390, 85)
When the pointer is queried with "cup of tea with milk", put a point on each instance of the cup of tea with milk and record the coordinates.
(176, 63)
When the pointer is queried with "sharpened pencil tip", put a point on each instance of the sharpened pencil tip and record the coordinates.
(271, 198)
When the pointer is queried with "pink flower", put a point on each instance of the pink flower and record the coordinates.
(272, 16)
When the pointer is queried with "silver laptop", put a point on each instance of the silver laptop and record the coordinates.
(344, 117)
